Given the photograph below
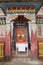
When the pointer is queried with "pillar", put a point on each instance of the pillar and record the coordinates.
(8, 39)
(33, 40)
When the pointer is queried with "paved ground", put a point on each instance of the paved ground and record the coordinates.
(22, 61)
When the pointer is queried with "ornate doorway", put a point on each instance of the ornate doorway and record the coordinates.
(21, 34)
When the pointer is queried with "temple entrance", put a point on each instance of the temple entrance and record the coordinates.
(21, 38)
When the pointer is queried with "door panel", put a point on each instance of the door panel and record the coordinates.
(21, 34)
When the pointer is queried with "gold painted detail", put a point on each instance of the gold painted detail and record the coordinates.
(1, 50)
(21, 11)
(40, 49)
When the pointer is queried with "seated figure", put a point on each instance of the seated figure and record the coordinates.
(21, 38)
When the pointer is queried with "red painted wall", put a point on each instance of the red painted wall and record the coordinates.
(34, 48)
(8, 45)
(39, 39)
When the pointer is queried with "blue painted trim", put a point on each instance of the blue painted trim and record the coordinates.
(4, 5)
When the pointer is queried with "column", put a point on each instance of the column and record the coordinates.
(8, 39)
(33, 40)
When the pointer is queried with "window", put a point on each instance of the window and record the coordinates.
(2, 27)
(40, 28)
(2, 21)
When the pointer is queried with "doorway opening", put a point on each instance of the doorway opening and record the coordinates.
(21, 37)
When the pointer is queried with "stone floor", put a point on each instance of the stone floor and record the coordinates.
(22, 61)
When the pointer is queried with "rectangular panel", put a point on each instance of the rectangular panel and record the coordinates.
(1, 50)
(39, 30)
(2, 31)
(40, 49)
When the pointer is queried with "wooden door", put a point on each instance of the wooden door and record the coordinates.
(21, 34)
